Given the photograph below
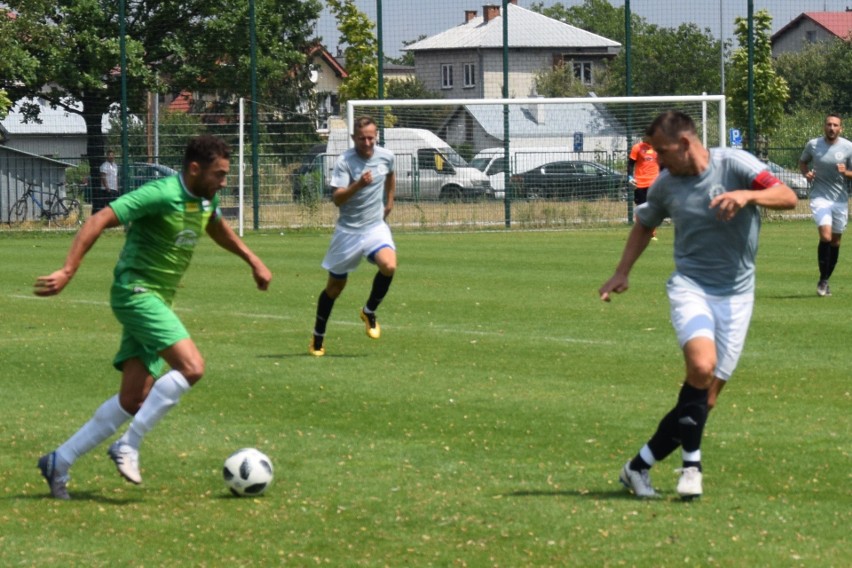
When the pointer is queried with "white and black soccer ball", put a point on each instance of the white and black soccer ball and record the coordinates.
(247, 472)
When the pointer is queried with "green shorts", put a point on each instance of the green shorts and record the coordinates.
(149, 325)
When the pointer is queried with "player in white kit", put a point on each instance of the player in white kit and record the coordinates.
(364, 185)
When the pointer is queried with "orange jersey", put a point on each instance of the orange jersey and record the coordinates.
(646, 169)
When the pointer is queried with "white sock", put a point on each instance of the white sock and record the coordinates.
(165, 393)
(691, 456)
(646, 454)
(103, 424)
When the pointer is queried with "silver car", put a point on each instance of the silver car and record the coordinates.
(794, 180)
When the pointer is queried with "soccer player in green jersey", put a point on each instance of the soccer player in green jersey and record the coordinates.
(165, 219)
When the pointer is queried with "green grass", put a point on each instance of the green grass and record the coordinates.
(486, 428)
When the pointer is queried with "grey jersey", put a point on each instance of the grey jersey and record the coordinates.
(823, 158)
(366, 208)
(712, 255)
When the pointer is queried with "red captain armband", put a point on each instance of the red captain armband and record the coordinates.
(764, 179)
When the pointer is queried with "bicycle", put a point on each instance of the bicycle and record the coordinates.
(63, 211)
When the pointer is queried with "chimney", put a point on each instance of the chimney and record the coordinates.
(489, 12)
(469, 15)
(515, 2)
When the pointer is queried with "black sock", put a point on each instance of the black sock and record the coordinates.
(381, 283)
(692, 415)
(324, 306)
(638, 464)
(667, 437)
(833, 254)
(824, 259)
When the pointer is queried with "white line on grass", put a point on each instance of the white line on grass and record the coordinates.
(442, 329)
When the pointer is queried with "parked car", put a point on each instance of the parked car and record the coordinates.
(492, 162)
(571, 179)
(794, 180)
(143, 172)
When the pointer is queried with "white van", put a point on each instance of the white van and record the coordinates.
(492, 162)
(426, 166)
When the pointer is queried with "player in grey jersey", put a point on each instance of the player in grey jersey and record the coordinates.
(827, 163)
(712, 198)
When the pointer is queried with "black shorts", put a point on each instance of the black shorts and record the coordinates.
(640, 195)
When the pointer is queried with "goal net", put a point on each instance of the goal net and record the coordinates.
(534, 162)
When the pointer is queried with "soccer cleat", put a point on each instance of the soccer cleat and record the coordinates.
(47, 465)
(126, 461)
(374, 330)
(823, 289)
(639, 482)
(313, 349)
(689, 484)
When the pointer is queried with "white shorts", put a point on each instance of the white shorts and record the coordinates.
(347, 248)
(828, 212)
(724, 319)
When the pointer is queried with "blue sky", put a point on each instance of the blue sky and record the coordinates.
(405, 20)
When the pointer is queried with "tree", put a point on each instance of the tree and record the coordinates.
(360, 53)
(770, 90)
(820, 75)
(560, 82)
(197, 45)
(428, 117)
(16, 65)
(596, 16)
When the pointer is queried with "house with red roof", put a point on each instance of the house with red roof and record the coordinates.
(811, 27)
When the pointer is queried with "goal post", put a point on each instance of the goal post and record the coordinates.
(504, 150)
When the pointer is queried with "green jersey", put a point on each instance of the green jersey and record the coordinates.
(165, 222)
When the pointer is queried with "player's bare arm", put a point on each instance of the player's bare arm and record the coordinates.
(55, 282)
(225, 237)
(638, 240)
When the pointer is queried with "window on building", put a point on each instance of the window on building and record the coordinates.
(446, 76)
(810, 37)
(583, 71)
(469, 75)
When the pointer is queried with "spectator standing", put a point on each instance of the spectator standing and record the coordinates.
(643, 169)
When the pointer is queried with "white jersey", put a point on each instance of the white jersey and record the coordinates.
(366, 208)
(823, 158)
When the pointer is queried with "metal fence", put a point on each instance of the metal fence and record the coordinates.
(285, 145)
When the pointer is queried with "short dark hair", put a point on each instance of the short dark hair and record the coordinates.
(205, 149)
(361, 122)
(672, 124)
(834, 115)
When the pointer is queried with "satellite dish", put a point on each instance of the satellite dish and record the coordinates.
(314, 76)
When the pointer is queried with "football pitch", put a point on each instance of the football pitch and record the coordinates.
(486, 427)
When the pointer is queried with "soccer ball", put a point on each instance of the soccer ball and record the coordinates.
(247, 472)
